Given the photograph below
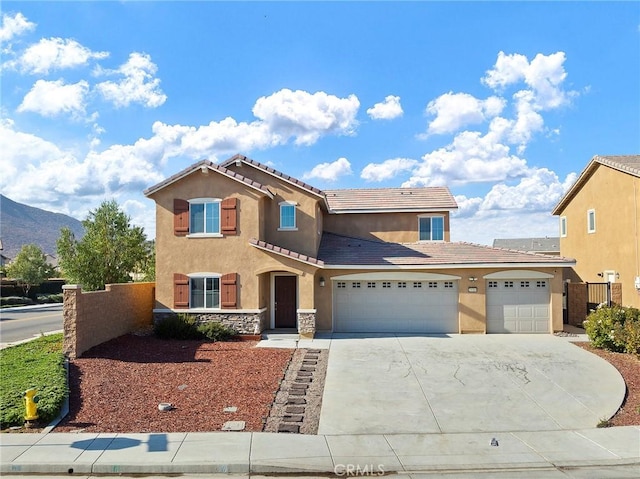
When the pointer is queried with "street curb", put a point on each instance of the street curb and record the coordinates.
(35, 336)
(65, 405)
(31, 306)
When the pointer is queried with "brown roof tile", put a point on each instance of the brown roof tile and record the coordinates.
(390, 199)
(211, 166)
(274, 172)
(285, 252)
(344, 250)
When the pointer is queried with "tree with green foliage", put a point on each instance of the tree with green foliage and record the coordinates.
(108, 252)
(29, 268)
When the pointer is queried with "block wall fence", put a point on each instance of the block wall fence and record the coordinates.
(94, 317)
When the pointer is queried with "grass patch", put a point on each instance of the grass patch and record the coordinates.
(37, 364)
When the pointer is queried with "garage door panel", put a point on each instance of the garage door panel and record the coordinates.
(518, 306)
(396, 306)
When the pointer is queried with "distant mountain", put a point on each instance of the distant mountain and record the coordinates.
(21, 224)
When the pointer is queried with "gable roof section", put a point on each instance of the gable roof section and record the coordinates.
(267, 169)
(263, 245)
(344, 252)
(629, 164)
(380, 200)
(534, 245)
(208, 165)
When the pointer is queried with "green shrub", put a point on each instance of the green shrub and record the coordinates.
(216, 331)
(16, 301)
(50, 298)
(180, 326)
(37, 364)
(614, 328)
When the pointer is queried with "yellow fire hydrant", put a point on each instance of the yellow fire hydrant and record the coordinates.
(30, 404)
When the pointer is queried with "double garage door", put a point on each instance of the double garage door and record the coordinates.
(395, 306)
(518, 306)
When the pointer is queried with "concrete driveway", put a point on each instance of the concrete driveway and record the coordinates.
(386, 384)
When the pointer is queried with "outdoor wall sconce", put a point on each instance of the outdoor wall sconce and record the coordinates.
(321, 282)
(473, 278)
(600, 274)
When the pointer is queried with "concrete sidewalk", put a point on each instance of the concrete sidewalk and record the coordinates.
(265, 453)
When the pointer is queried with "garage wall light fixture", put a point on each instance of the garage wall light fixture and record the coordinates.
(473, 278)
(321, 282)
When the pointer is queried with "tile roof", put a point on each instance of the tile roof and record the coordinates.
(285, 252)
(344, 250)
(529, 244)
(390, 199)
(274, 172)
(625, 163)
(211, 166)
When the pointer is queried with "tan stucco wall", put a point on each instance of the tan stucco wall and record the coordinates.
(471, 308)
(306, 239)
(392, 227)
(91, 318)
(615, 196)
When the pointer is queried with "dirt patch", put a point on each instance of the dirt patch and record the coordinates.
(117, 386)
(629, 368)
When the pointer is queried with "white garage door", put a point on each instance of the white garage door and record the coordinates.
(395, 306)
(518, 306)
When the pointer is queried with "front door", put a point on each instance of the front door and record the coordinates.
(285, 302)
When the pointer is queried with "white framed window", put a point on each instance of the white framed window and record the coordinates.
(431, 228)
(288, 216)
(591, 221)
(204, 217)
(563, 226)
(204, 291)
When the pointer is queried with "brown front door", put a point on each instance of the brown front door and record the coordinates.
(285, 302)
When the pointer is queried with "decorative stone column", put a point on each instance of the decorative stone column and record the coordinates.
(306, 323)
(70, 294)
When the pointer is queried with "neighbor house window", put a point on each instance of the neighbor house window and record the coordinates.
(591, 221)
(431, 228)
(204, 292)
(563, 226)
(287, 215)
(204, 216)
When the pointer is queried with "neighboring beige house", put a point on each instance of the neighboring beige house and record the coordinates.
(244, 244)
(546, 245)
(600, 224)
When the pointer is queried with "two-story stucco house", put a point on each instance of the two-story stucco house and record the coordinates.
(244, 244)
(600, 224)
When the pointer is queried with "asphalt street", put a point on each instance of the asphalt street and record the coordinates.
(17, 324)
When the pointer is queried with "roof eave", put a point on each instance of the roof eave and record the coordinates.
(319, 264)
(566, 264)
(342, 211)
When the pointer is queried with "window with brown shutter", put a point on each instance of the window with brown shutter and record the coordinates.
(180, 217)
(229, 220)
(180, 291)
(229, 291)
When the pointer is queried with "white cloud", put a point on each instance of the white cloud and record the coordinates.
(389, 109)
(329, 171)
(54, 54)
(50, 98)
(307, 116)
(387, 169)
(455, 110)
(138, 84)
(14, 26)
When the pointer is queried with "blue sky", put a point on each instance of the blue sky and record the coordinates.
(504, 102)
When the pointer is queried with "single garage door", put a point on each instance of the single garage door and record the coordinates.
(395, 306)
(518, 306)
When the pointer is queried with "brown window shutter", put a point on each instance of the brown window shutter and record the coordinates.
(180, 217)
(229, 291)
(229, 213)
(180, 291)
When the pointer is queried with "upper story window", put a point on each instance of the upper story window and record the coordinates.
(563, 226)
(204, 292)
(288, 215)
(591, 221)
(431, 228)
(204, 216)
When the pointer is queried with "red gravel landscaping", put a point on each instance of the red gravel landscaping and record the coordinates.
(117, 386)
